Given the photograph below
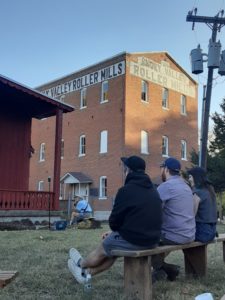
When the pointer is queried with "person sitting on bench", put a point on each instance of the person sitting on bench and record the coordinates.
(82, 211)
(135, 222)
(206, 208)
(178, 225)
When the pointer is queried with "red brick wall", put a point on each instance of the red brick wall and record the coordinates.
(89, 121)
(158, 121)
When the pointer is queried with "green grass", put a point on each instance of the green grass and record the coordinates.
(43, 273)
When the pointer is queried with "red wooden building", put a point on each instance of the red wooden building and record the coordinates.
(18, 106)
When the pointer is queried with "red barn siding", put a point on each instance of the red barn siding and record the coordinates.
(15, 131)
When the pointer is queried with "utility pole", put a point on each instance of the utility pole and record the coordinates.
(215, 24)
(202, 120)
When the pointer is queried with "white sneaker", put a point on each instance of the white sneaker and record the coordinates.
(76, 271)
(75, 255)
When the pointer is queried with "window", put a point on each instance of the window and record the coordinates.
(42, 152)
(105, 90)
(183, 150)
(165, 100)
(61, 191)
(62, 149)
(83, 98)
(183, 109)
(104, 141)
(41, 185)
(165, 146)
(103, 187)
(82, 148)
(144, 91)
(144, 142)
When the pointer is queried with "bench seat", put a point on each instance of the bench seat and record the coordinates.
(163, 249)
(6, 277)
(137, 265)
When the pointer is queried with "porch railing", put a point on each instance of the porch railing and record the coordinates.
(26, 200)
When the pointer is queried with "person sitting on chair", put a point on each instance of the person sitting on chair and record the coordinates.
(82, 210)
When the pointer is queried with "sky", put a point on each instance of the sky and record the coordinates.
(42, 40)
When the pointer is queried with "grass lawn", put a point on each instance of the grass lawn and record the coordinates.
(43, 273)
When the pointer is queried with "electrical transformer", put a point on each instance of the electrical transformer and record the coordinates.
(214, 54)
(196, 60)
(221, 70)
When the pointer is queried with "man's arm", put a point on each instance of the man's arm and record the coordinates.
(164, 191)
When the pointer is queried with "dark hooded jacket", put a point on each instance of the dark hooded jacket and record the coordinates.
(137, 212)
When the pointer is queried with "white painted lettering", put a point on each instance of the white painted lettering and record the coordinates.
(163, 75)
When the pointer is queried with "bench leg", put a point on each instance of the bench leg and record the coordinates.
(137, 278)
(224, 251)
(195, 260)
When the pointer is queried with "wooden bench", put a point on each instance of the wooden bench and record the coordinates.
(137, 265)
(6, 277)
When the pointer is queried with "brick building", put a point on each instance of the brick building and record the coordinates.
(133, 103)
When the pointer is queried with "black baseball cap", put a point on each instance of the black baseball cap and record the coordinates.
(135, 163)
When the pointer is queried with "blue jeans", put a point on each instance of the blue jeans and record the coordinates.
(205, 232)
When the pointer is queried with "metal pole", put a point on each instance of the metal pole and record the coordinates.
(202, 120)
(49, 203)
(205, 128)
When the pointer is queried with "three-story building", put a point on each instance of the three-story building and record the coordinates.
(131, 104)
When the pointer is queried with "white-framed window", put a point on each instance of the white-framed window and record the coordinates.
(83, 98)
(165, 98)
(144, 142)
(144, 91)
(105, 91)
(183, 150)
(183, 105)
(165, 146)
(82, 146)
(62, 148)
(61, 191)
(103, 187)
(42, 152)
(104, 141)
(41, 185)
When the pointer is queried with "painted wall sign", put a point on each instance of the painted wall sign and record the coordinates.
(84, 81)
(162, 74)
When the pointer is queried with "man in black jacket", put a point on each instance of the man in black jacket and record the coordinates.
(135, 222)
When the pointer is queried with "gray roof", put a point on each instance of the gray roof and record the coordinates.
(81, 177)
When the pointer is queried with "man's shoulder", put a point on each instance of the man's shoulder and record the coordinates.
(82, 202)
(163, 185)
(172, 181)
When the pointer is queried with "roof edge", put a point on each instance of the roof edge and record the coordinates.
(82, 69)
(36, 93)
